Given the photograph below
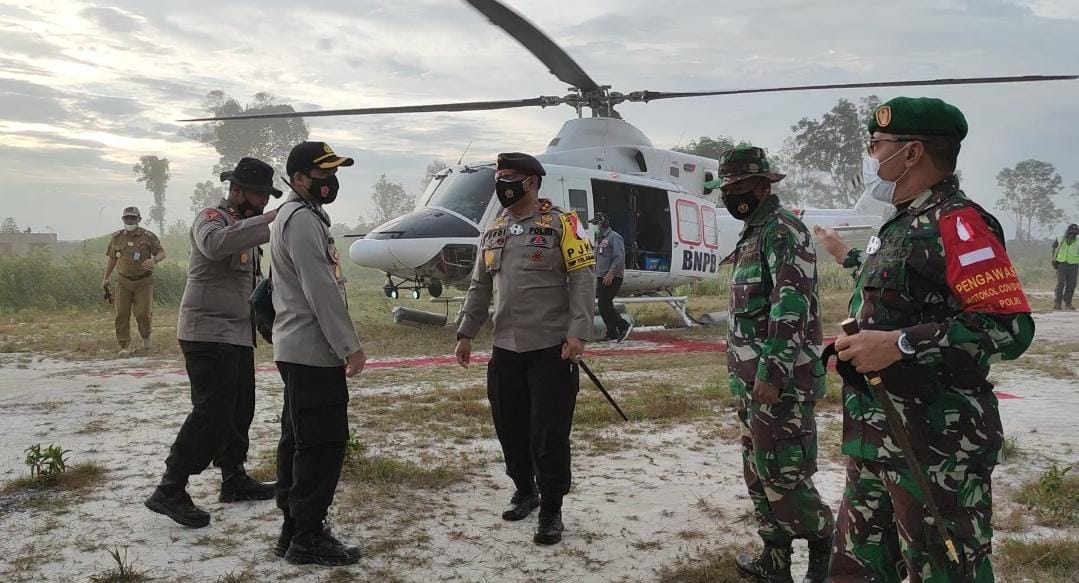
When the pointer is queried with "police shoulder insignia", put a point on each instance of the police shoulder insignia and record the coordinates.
(545, 205)
(884, 115)
(212, 214)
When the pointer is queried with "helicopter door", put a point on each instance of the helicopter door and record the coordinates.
(578, 198)
(695, 236)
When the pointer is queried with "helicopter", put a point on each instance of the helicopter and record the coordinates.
(657, 199)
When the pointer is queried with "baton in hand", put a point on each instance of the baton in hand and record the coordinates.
(599, 386)
(902, 438)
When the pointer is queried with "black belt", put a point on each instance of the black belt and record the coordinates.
(137, 277)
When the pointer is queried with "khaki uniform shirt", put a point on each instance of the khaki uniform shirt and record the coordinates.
(220, 277)
(130, 249)
(539, 270)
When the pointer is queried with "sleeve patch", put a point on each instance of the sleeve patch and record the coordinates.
(979, 271)
(212, 214)
(576, 247)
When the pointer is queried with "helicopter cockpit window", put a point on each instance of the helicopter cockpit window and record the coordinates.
(466, 192)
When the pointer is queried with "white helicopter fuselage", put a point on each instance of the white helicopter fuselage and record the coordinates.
(654, 198)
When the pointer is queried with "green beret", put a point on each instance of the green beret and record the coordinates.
(924, 116)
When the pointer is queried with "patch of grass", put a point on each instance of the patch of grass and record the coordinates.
(710, 566)
(1011, 449)
(1054, 560)
(76, 479)
(1053, 498)
(124, 571)
(245, 576)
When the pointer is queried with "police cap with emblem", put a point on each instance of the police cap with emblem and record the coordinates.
(307, 156)
(599, 219)
(132, 211)
(919, 116)
(520, 162)
(741, 162)
(252, 174)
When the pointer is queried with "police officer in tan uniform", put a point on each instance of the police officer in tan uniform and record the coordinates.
(216, 335)
(537, 264)
(133, 252)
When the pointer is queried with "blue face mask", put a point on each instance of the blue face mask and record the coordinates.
(875, 186)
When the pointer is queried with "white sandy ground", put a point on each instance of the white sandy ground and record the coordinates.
(674, 493)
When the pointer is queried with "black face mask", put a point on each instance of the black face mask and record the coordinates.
(741, 205)
(509, 192)
(323, 190)
(246, 209)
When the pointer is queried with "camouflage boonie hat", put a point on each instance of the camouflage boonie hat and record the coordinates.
(743, 162)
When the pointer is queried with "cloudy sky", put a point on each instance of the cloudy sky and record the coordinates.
(87, 87)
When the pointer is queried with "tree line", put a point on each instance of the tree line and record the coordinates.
(822, 159)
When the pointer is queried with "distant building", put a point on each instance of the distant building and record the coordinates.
(21, 244)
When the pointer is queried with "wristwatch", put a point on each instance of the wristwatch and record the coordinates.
(462, 337)
(904, 345)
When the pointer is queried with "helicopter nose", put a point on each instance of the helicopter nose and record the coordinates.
(412, 240)
(425, 223)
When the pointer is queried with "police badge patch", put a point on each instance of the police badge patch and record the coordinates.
(516, 229)
(873, 246)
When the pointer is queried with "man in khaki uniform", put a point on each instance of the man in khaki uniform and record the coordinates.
(133, 252)
(217, 337)
(537, 264)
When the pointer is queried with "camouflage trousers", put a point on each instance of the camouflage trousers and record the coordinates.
(884, 530)
(779, 458)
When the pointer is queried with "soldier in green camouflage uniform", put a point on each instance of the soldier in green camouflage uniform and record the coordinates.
(775, 368)
(937, 301)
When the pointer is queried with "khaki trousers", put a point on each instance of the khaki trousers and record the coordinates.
(133, 297)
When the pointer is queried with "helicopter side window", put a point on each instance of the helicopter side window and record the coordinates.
(689, 223)
(578, 201)
(711, 228)
(466, 192)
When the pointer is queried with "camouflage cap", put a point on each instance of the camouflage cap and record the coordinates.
(741, 162)
(920, 116)
(132, 211)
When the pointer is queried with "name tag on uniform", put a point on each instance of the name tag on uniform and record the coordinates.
(873, 246)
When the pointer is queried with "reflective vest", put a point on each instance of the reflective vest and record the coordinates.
(1068, 253)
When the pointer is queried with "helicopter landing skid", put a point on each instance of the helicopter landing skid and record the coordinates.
(392, 290)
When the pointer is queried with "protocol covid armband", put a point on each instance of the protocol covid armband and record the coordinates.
(576, 247)
(978, 269)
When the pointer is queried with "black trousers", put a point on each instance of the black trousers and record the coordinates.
(606, 293)
(1066, 276)
(532, 396)
(222, 405)
(314, 430)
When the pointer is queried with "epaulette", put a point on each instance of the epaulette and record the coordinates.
(545, 206)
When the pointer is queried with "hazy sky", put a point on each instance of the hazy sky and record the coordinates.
(86, 88)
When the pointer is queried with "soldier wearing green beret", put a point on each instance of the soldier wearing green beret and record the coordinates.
(937, 300)
(773, 359)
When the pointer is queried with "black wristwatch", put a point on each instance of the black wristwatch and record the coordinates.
(462, 337)
(905, 346)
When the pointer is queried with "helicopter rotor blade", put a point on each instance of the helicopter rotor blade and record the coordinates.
(458, 106)
(539, 44)
(647, 96)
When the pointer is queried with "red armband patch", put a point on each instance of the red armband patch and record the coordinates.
(212, 214)
(979, 271)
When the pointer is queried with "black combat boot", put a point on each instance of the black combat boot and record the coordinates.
(549, 530)
(237, 486)
(524, 501)
(170, 498)
(772, 565)
(820, 550)
(319, 547)
(288, 530)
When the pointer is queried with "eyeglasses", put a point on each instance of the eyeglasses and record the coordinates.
(871, 143)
